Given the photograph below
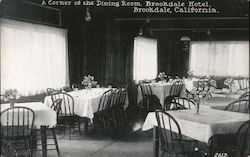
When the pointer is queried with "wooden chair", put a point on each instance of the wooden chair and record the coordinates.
(243, 83)
(241, 146)
(244, 96)
(241, 106)
(113, 108)
(175, 91)
(176, 88)
(16, 131)
(48, 133)
(117, 104)
(172, 141)
(149, 101)
(67, 116)
(101, 117)
(186, 103)
(247, 89)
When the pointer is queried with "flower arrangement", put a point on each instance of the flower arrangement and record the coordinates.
(197, 96)
(190, 73)
(229, 82)
(162, 76)
(11, 95)
(89, 81)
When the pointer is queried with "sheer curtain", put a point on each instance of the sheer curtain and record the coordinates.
(33, 57)
(220, 58)
(145, 59)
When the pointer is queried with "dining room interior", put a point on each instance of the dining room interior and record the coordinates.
(124, 78)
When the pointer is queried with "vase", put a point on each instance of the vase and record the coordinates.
(12, 104)
(230, 89)
(197, 108)
(88, 87)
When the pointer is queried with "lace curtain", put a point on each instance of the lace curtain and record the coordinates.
(33, 57)
(220, 58)
(144, 59)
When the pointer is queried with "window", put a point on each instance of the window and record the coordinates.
(33, 57)
(145, 59)
(221, 58)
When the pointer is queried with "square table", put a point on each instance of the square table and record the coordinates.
(200, 127)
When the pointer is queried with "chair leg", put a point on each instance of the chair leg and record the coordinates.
(44, 140)
(79, 126)
(28, 148)
(141, 105)
(104, 123)
(114, 120)
(55, 140)
(122, 116)
(70, 127)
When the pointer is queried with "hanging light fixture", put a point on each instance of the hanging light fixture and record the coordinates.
(185, 40)
(87, 15)
(208, 32)
(140, 32)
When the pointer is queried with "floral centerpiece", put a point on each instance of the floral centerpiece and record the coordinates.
(197, 96)
(11, 95)
(229, 82)
(190, 73)
(162, 76)
(89, 81)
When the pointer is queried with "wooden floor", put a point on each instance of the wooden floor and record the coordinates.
(131, 142)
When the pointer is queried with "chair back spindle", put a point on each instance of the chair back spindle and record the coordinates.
(241, 106)
(170, 133)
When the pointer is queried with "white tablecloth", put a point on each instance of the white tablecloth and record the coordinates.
(86, 101)
(203, 126)
(44, 115)
(161, 90)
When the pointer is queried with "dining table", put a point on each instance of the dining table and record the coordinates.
(160, 89)
(86, 101)
(202, 127)
(44, 117)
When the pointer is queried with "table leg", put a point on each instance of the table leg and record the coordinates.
(156, 142)
(44, 141)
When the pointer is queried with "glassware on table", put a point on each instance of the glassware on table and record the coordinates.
(98, 86)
